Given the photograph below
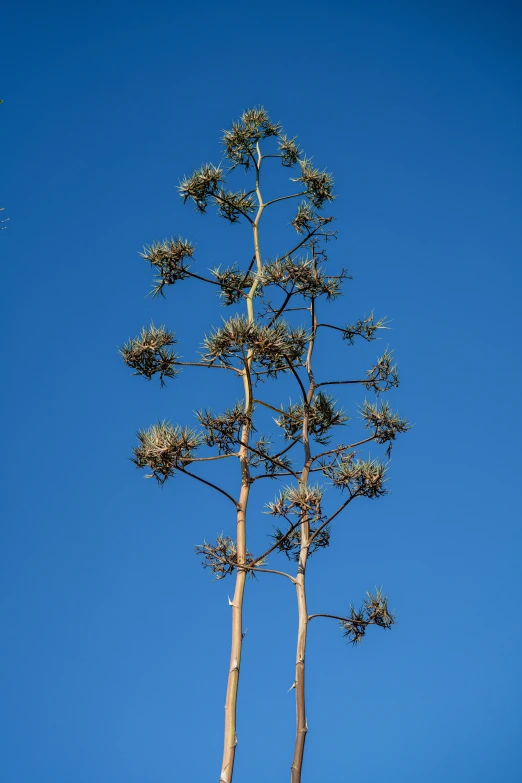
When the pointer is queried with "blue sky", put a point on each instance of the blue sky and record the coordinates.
(115, 643)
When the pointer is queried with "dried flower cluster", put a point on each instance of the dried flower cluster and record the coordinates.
(273, 348)
(360, 478)
(169, 258)
(165, 449)
(149, 353)
(221, 558)
(301, 276)
(374, 611)
(364, 328)
(322, 416)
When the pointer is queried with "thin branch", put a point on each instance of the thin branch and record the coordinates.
(339, 449)
(305, 240)
(287, 448)
(271, 476)
(226, 201)
(331, 518)
(207, 459)
(268, 571)
(209, 366)
(284, 198)
(275, 546)
(268, 457)
(277, 410)
(336, 383)
(299, 381)
(330, 326)
(289, 295)
(342, 619)
(213, 486)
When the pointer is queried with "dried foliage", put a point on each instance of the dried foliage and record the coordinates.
(308, 219)
(224, 430)
(318, 184)
(201, 186)
(364, 328)
(149, 353)
(165, 449)
(169, 258)
(260, 456)
(301, 276)
(289, 150)
(385, 424)
(374, 611)
(303, 501)
(360, 478)
(240, 141)
(274, 348)
(289, 541)
(322, 417)
(233, 283)
(222, 557)
(384, 375)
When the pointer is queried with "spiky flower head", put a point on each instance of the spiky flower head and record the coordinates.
(241, 139)
(169, 259)
(303, 500)
(365, 328)
(221, 558)
(322, 416)
(318, 185)
(303, 276)
(223, 430)
(233, 283)
(272, 347)
(374, 611)
(289, 542)
(384, 375)
(308, 219)
(149, 353)
(289, 151)
(234, 204)
(164, 448)
(361, 478)
(260, 456)
(380, 418)
(202, 184)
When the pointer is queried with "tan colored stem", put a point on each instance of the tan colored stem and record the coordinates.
(230, 743)
(301, 727)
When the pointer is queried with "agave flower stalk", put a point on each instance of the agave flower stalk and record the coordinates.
(261, 343)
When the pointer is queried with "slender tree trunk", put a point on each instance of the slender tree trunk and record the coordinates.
(301, 727)
(229, 750)
(301, 723)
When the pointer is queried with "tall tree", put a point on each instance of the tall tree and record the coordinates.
(266, 347)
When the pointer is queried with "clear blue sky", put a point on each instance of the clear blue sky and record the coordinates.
(115, 642)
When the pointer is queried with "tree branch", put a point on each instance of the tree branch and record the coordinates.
(342, 619)
(213, 486)
(284, 198)
(331, 518)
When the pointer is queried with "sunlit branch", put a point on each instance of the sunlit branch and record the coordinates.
(209, 366)
(284, 198)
